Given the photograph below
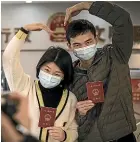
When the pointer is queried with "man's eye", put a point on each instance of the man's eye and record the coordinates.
(89, 42)
(77, 45)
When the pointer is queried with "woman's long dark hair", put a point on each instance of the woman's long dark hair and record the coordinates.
(62, 59)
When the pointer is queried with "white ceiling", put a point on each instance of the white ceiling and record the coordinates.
(21, 2)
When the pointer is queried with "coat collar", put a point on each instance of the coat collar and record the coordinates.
(62, 102)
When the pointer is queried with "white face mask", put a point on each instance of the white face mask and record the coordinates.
(48, 81)
(85, 53)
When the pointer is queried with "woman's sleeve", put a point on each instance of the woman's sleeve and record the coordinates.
(17, 79)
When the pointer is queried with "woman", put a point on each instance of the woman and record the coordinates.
(55, 73)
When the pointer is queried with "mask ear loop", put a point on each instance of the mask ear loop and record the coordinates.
(75, 53)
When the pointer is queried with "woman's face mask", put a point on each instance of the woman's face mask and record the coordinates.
(85, 53)
(49, 81)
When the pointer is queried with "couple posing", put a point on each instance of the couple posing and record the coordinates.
(61, 84)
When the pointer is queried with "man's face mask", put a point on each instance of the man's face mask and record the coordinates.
(49, 81)
(85, 53)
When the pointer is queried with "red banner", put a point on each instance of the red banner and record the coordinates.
(136, 97)
(136, 89)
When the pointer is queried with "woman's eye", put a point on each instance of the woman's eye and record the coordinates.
(58, 75)
(47, 70)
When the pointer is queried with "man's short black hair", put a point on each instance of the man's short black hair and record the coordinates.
(78, 27)
(62, 59)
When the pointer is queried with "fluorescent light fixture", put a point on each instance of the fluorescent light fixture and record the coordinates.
(28, 1)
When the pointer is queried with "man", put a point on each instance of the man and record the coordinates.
(21, 116)
(114, 119)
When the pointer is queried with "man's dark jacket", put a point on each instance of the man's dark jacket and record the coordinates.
(114, 118)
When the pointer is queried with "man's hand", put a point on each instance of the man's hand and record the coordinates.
(38, 27)
(9, 132)
(75, 10)
(57, 133)
(84, 106)
(22, 115)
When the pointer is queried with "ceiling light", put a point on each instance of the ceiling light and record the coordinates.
(28, 1)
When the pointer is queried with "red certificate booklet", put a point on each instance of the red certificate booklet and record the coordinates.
(95, 91)
(47, 117)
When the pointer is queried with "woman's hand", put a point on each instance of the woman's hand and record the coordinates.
(38, 27)
(57, 133)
